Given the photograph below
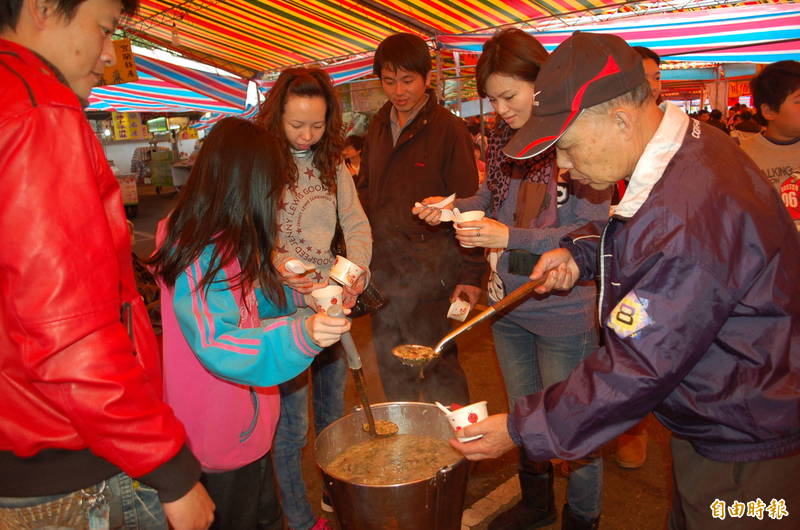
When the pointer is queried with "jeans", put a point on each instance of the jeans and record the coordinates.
(328, 375)
(531, 362)
(245, 497)
(133, 506)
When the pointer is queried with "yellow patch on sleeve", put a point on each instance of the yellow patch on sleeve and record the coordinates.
(629, 316)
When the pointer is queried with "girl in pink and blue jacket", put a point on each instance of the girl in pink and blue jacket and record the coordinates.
(230, 329)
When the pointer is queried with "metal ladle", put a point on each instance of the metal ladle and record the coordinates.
(380, 428)
(418, 355)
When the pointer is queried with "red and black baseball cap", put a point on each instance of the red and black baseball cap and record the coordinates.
(585, 70)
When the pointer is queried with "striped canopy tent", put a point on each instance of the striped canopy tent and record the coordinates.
(210, 119)
(164, 87)
(341, 72)
(754, 34)
(249, 37)
(257, 38)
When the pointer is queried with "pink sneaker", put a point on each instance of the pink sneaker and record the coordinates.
(322, 524)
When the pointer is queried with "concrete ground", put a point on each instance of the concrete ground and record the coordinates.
(632, 499)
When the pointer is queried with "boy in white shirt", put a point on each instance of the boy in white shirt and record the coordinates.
(776, 94)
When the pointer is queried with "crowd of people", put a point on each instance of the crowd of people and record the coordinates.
(739, 124)
(680, 300)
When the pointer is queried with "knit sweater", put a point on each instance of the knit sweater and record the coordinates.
(307, 216)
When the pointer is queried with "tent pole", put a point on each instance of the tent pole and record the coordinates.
(439, 76)
(457, 60)
(483, 128)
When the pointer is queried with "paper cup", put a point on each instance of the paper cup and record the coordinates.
(327, 296)
(345, 271)
(458, 310)
(466, 416)
(462, 217)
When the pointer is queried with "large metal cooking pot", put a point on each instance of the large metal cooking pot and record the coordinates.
(433, 503)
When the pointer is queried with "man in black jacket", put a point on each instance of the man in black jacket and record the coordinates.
(415, 148)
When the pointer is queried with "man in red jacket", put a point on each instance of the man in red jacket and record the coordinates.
(82, 411)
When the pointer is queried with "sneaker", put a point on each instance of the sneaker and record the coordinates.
(631, 450)
(325, 503)
(322, 524)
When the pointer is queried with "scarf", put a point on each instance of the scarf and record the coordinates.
(499, 167)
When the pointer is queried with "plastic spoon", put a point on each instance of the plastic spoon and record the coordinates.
(442, 408)
(446, 215)
(441, 204)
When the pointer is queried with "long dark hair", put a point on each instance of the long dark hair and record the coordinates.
(230, 201)
(306, 82)
(511, 52)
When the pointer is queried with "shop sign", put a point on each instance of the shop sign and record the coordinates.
(189, 133)
(124, 69)
(128, 126)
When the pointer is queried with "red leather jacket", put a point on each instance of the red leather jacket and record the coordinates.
(77, 404)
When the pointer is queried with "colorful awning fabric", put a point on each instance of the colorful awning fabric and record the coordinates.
(150, 94)
(350, 70)
(757, 34)
(211, 119)
(248, 37)
(164, 87)
(340, 72)
(230, 90)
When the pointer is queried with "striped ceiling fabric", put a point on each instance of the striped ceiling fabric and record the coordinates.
(248, 37)
(254, 37)
(340, 72)
(459, 16)
(346, 71)
(733, 34)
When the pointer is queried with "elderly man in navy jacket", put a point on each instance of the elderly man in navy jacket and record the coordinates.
(699, 272)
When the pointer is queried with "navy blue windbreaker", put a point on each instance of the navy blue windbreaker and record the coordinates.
(700, 305)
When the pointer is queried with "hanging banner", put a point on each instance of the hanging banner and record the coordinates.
(124, 69)
(128, 126)
(737, 89)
